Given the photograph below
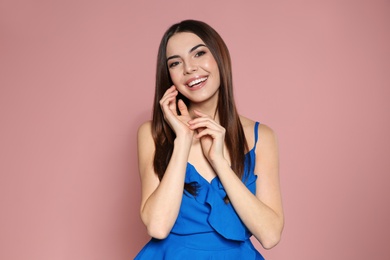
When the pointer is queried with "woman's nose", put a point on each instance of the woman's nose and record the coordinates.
(190, 67)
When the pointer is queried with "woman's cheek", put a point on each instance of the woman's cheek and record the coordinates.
(174, 79)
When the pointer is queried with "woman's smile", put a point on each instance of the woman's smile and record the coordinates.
(196, 83)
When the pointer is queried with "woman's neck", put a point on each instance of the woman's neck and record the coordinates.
(207, 108)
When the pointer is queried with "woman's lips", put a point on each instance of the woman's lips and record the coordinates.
(195, 83)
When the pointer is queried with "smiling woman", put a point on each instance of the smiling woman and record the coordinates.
(208, 184)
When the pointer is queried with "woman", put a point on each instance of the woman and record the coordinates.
(209, 176)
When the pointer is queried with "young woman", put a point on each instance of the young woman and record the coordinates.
(209, 176)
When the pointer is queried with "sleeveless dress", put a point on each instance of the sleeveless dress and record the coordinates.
(207, 227)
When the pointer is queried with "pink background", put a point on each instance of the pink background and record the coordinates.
(77, 78)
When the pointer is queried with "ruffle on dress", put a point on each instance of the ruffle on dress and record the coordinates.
(220, 215)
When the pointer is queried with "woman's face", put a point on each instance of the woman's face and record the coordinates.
(192, 67)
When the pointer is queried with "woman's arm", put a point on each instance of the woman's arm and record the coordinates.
(262, 213)
(161, 200)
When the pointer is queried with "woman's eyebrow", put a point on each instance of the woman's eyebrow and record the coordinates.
(192, 49)
(196, 47)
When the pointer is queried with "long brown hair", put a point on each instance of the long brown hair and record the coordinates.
(163, 135)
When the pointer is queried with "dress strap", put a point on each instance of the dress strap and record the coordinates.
(256, 134)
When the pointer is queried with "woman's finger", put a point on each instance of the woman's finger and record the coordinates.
(204, 123)
(182, 108)
(168, 102)
(213, 133)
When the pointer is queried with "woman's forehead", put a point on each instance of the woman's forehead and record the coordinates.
(181, 43)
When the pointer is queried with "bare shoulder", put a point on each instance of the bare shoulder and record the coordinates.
(145, 133)
(146, 149)
(145, 128)
(145, 138)
(266, 135)
(248, 125)
(267, 143)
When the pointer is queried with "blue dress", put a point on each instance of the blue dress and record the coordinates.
(207, 227)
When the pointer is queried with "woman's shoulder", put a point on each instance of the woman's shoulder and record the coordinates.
(145, 126)
(247, 123)
(145, 130)
(264, 132)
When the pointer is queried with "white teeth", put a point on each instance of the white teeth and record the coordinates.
(197, 81)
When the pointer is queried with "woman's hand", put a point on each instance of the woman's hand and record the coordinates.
(211, 135)
(178, 123)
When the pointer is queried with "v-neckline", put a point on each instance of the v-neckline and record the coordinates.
(203, 178)
(216, 176)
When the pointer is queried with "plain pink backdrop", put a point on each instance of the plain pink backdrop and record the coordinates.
(77, 78)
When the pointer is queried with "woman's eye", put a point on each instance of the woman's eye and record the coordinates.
(173, 64)
(200, 53)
